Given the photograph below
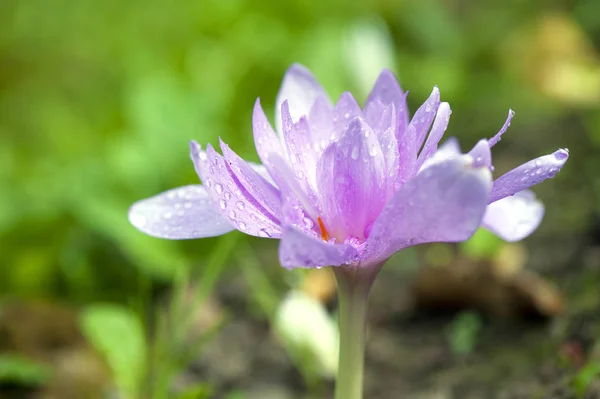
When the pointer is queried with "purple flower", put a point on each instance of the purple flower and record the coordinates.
(340, 184)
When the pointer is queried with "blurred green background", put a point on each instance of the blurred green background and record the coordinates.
(98, 101)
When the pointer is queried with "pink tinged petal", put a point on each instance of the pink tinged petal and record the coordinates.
(265, 139)
(178, 214)
(344, 112)
(407, 155)
(259, 188)
(359, 177)
(271, 154)
(300, 89)
(514, 218)
(440, 125)
(325, 184)
(443, 203)
(231, 198)
(424, 116)
(482, 155)
(386, 90)
(301, 153)
(498, 135)
(299, 249)
(382, 118)
(529, 174)
(289, 186)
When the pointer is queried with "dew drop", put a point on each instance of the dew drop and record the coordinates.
(171, 194)
(355, 152)
(240, 205)
(308, 223)
(168, 215)
(263, 233)
(219, 188)
(222, 204)
(227, 195)
(209, 183)
(232, 215)
(242, 226)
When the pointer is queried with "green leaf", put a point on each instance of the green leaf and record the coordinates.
(17, 369)
(117, 333)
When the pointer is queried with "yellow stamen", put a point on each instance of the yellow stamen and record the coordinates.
(324, 232)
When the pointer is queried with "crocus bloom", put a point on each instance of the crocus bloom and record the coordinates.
(345, 185)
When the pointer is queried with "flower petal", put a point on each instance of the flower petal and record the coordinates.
(440, 125)
(529, 174)
(265, 139)
(449, 149)
(482, 155)
(382, 118)
(300, 89)
(358, 183)
(443, 203)
(230, 196)
(299, 249)
(498, 136)
(262, 190)
(321, 124)
(411, 140)
(514, 218)
(298, 141)
(386, 90)
(422, 119)
(344, 112)
(179, 214)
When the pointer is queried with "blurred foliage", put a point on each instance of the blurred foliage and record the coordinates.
(463, 333)
(99, 99)
(120, 337)
(17, 369)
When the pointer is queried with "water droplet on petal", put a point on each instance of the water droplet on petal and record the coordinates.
(242, 226)
(232, 215)
(227, 195)
(308, 223)
(354, 154)
(168, 215)
(222, 204)
(219, 188)
(263, 233)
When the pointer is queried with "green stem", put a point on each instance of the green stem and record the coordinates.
(354, 286)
